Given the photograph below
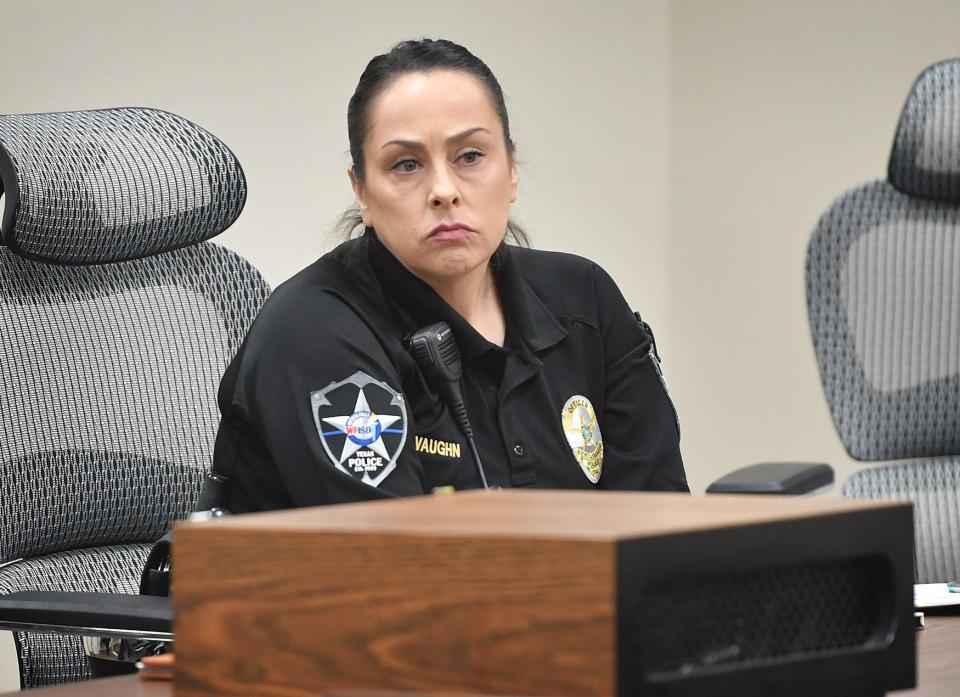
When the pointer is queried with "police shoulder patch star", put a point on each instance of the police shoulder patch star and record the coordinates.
(583, 435)
(362, 424)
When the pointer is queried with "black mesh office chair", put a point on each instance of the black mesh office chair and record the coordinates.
(883, 291)
(117, 319)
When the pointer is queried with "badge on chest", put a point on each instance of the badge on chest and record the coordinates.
(362, 423)
(583, 435)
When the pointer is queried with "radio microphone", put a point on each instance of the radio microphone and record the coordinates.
(435, 351)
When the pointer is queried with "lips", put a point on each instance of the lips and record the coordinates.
(451, 231)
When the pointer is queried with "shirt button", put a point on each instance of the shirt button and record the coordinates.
(518, 450)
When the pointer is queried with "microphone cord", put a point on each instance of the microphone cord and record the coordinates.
(435, 351)
(460, 412)
(476, 459)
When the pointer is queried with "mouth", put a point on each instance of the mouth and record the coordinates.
(451, 231)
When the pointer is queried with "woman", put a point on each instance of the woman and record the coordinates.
(325, 403)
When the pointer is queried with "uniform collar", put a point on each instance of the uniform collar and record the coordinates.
(529, 321)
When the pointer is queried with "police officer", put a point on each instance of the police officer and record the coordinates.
(324, 403)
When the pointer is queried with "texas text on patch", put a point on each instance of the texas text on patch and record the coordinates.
(362, 424)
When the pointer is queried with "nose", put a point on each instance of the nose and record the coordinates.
(444, 191)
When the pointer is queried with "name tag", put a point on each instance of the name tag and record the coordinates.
(432, 446)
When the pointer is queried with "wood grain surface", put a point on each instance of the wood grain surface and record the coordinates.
(938, 658)
(604, 515)
(938, 671)
(325, 610)
(123, 686)
(507, 592)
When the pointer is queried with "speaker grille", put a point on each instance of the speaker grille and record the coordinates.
(697, 623)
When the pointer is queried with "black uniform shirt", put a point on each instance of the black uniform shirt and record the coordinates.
(325, 404)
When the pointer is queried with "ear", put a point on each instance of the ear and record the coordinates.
(514, 180)
(360, 195)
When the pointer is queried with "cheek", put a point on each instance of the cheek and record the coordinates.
(396, 217)
(496, 193)
(402, 199)
(499, 184)
(388, 203)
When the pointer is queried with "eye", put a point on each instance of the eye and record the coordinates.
(471, 157)
(407, 164)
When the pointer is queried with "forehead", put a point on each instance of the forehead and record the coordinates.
(437, 102)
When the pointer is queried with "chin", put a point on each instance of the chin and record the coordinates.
(455, 264)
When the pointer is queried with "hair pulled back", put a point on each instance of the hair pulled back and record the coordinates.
(415, 56)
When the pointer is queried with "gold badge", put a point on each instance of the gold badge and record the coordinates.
(583, 434)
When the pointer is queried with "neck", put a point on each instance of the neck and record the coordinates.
(476, 299)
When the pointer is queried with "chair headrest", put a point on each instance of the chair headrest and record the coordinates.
(925, 160)
(90, 187)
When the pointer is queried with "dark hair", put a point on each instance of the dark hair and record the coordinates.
(411, 57)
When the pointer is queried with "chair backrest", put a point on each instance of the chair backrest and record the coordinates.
(117, 320)
(883, 292)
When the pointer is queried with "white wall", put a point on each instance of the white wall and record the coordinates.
(586, 85)
(776, 109)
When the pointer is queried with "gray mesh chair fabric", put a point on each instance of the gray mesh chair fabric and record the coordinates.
(883, 293)
(50, 659)
(926, 151)
(110, 371)
(934, 488)
(89, 187)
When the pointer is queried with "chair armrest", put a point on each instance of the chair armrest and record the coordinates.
(88, 614)
(785, 478)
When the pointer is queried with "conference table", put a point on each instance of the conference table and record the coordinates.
(938, 669)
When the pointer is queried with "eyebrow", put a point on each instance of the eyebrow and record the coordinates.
(452, 139)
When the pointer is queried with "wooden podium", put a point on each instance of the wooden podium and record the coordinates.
(548, 593)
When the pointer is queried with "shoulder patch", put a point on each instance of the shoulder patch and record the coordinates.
(362, 424)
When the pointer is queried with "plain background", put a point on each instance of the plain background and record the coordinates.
(689, 147)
